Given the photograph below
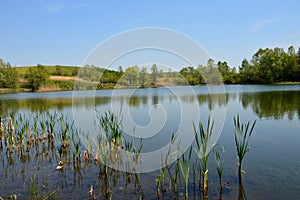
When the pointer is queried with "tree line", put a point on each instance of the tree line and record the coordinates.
(267, 66)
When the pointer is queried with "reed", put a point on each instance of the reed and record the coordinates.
(1, 132)
(158, 185)
(64, 132)
(219, 163)
(203, 151)
(33, 190)
(185, 170)
(110, 123)
(242, 134)
(137, 151)
(162, 175)
(76, 145)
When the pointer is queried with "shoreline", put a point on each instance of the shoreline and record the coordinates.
(49, 90)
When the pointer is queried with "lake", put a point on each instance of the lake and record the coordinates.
(272, 166)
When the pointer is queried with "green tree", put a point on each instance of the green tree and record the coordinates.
(143, 76)
(154, 73)
(8, 75)
(210, 73)
(290, 65)
(224, 69)
(132, 75)
(121, 72)
(191, 75)
(36, 77)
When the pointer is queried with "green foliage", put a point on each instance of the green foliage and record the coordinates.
(110, 124)
(154, 73)
(8, 76)
(90, 73)
(64, 85)
(185, 170)
(269, 66)
(110, 76)
(36, 77)
(219, 163)
(242, 135)
(191, 75)
(143, 76)
(132, 75)
(203, 141)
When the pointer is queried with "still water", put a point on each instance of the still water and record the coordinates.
(272, 167)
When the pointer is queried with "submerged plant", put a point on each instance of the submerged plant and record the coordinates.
(202, 140)
(242, 134)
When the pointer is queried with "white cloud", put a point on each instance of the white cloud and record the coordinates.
(261, 24)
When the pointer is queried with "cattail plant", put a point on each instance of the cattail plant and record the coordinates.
(202, 140)
(242, 134)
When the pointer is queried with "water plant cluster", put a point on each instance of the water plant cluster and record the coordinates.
(49, 143)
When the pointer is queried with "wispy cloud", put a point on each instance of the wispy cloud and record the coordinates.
(261, 24)
(55, 7)
(81, 4)
(59, 6)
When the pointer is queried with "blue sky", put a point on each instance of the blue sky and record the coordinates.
(65, 31)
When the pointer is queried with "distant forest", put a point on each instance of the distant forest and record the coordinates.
(267, 66)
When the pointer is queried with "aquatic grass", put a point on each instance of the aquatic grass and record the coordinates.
(242, 135)
(102, 149)
(185, 170)
(162, 175)
(76, 145)
(64, 132)
(158, 185)
(88, 150)
(219, 163)
(33, 189)
(195, 174)
(1, 133)
(168, 167)
(111, 126)
(137, 151)
(202, 151)
(171, 176)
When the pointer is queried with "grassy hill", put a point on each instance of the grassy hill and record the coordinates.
(57, 70)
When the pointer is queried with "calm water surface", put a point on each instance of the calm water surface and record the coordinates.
(272, 166)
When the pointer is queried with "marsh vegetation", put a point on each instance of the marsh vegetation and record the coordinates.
(49, 140)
